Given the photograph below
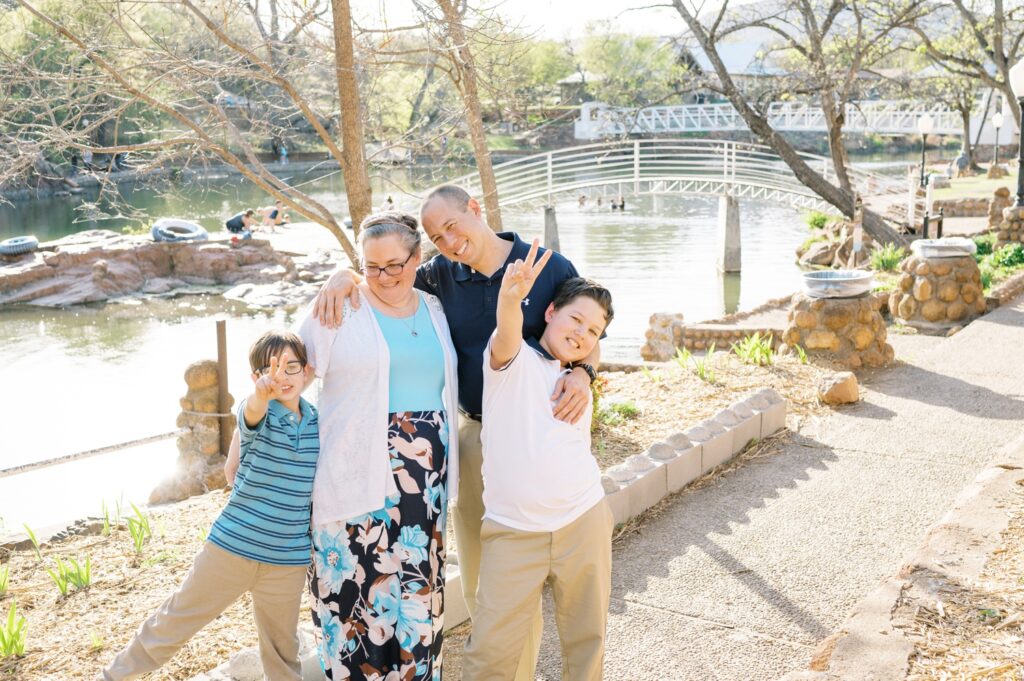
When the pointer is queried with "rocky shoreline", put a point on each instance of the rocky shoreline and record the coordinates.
(102, 265)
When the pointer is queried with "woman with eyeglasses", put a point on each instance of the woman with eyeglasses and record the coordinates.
(386, 466)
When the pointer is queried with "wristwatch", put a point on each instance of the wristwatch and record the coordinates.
(586, 367)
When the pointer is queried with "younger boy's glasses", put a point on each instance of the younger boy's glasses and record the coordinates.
(291, 368)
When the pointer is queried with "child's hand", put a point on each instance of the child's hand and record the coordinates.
(520, 275)
(268, 385)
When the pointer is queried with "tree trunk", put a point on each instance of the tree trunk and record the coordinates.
(834, 121)
(421, 94)
(353, 166)
(462, 60)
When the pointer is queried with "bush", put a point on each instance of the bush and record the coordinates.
(1010, 256)
(817, 220)
(887, 258)
(986, 243)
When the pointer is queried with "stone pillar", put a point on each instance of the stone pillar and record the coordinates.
(1000, 201)
(1011, 231)
(551, 229)
(938, 293)
(200, 466)
(850, 330)
(663, 337)
(728, 250)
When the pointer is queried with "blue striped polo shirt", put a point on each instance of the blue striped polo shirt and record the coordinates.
(267, 516)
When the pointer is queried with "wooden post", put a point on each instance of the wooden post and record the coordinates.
(222, 387)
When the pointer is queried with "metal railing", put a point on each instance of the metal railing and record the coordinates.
(897, 117)
(671, 166)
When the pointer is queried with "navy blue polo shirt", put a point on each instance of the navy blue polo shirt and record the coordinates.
(470, 301)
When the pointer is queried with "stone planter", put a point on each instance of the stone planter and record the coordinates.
(938, 293)
(851, 330)
(1011, 231)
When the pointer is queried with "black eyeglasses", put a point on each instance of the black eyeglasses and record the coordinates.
(291, 368)
(392, 270)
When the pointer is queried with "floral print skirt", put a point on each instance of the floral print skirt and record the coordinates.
(377, 581)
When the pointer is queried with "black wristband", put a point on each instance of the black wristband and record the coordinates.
(586, 367)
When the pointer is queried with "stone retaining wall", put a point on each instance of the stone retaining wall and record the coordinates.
(961, 208)
(700, 336)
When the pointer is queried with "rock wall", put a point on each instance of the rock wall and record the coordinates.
(849, 330)
(702, 336)
(961, 208)
(937, 293)
(835, 248)
(98, 265)
(200, 466)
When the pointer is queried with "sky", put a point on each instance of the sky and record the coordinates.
(552, 19)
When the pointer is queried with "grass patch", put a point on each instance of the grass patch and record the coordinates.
(975, 186)
(1000, 265)
(617, 413)
(887, 258)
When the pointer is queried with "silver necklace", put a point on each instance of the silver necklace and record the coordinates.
(412, 328)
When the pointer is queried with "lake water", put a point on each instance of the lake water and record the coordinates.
(93, 376)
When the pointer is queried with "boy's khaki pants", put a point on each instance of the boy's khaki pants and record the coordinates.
(467, 516)
(577, 561)
(217, 579)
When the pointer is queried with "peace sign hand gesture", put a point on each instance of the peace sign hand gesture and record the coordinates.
(269, 384)
(520, 275)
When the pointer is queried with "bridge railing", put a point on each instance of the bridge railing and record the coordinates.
(633, 166)
(881, 116)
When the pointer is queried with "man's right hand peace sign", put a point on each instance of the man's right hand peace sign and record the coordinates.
(520, 275)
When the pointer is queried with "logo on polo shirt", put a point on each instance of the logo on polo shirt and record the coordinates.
(526, 301)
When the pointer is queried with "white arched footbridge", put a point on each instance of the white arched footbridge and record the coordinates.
(693, 167)
(598, 120)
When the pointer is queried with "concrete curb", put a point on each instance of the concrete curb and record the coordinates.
(957, 546)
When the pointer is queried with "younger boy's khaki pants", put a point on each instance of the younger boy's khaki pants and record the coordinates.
(217, 579)
(577, 561)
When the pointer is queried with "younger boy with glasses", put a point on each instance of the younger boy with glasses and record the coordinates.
(260, 542)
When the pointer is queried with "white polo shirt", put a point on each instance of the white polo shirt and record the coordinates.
(539, 473)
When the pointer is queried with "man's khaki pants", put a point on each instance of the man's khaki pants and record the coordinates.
(467, 516)
(577, 561)
(217, 579)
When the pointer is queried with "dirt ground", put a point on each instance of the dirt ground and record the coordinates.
(71, 637)
(975, 631)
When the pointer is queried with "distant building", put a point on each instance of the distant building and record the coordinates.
(573, 89)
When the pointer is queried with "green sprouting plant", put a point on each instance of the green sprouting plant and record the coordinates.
(35, 542)
(202, 534)
(5, 575)
(651, 376)
(139, 529)
(887, 258)
(816, 219)
(61, 576)
(702, 367)
(106, 517)
(12, 634)
(80, 574)
(755, 349)
(618, 412)
(682, 357)
(801, 353)
(986, 243)
(96, 642)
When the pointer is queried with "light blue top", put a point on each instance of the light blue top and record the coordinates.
(267, 517)
(416, 375)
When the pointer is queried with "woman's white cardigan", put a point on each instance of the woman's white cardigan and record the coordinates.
(353, 473)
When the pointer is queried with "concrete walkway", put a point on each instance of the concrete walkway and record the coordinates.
(739, 580)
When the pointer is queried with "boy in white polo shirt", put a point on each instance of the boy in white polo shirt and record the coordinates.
(545, 517)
